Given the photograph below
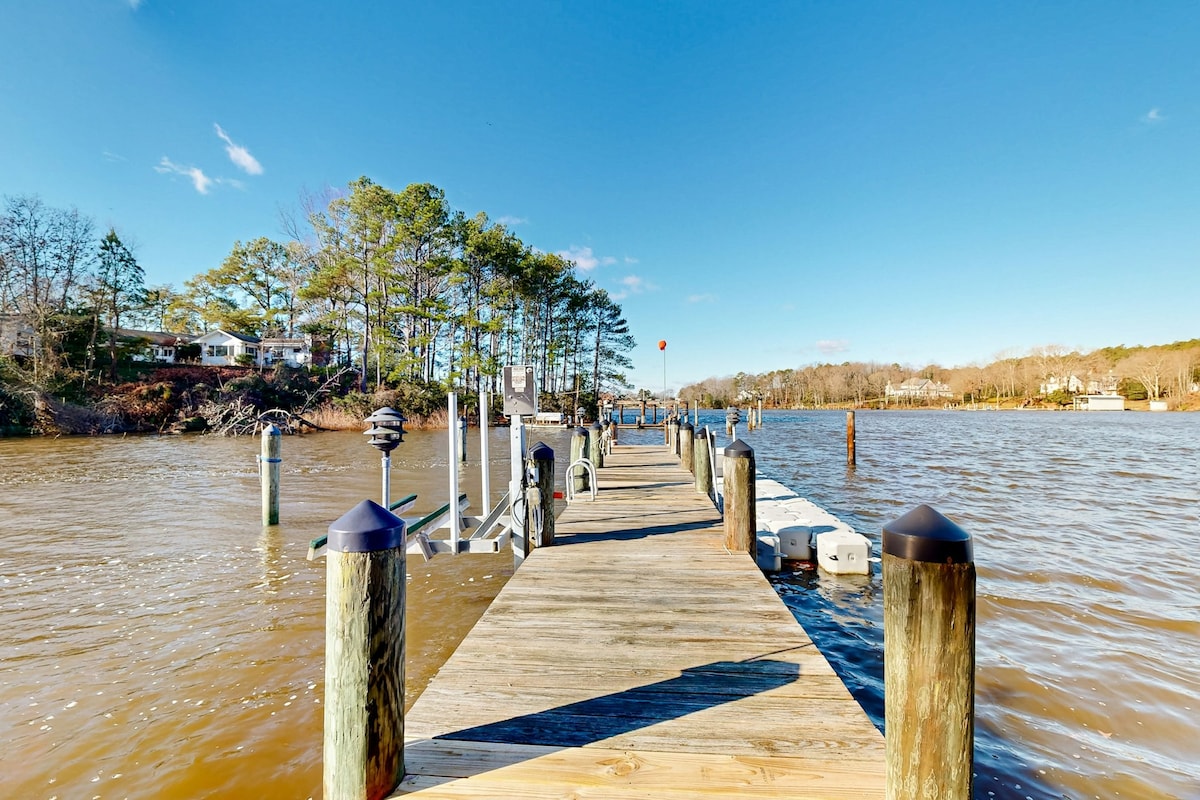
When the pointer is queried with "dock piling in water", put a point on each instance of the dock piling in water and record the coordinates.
(687, 446)
(364, 654)
(740, 515)
(850, 459)
(702, 463)
(272, 448)
(929, 657)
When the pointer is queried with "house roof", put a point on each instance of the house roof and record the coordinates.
(154, 337)
(230, 334)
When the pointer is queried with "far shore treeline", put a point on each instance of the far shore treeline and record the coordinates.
(405, 298)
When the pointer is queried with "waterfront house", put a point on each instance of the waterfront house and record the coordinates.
(292, 352)
(17, 336)
(161, 346)
(1073, 384)
(921, 388)
(221, 348)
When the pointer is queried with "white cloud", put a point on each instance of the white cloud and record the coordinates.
(632, 284)
(135, 4)
(239, 155)
(630, 260)
(110, 156)
(509, 222)
(829, 347)
(702, 298)
(584, 258)
(1153, 116)
(199, 180)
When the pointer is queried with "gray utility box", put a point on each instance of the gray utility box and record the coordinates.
(520, 392)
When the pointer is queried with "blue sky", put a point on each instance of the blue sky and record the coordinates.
(764, 185)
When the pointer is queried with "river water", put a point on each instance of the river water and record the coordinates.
(1086, 530)
(158, 642)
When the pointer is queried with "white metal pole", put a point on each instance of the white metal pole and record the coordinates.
(484, 478)
(516, 494)
(387, 471)
(452, 466)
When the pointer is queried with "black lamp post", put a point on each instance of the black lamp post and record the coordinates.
(386, 432)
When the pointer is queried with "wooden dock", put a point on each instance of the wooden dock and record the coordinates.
(637, 658)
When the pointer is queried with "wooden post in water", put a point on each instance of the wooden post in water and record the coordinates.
(579, 449)
(542, 457)
(760, 402)
(929, 657)
(850, 438)
(595, 445)
(364, 654)
(268, 467)
(741, 521)
(702, 463)
(687, 445)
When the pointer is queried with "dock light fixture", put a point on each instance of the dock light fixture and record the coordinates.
(386, 432)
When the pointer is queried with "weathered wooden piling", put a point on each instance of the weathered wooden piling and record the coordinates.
(687, 445)
(596, 445)
(702, 463)
(579, 449)
(364, 654)
(929, 657)
(741, 521)
(462, 438)
(613, 431)
(268, 466)
(673, 436)
(850, 458)
(542, 457)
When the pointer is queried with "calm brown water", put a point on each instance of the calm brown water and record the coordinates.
(159, 642)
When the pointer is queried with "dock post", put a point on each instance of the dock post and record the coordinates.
(541, 457)
(929, 657)
(613, 431)
(741, 521)
(850, 438)
(687, 445)
(579, 449)
(268, 467)
(462, 437)
(673, 435)
(364, 654)
(702, 463)
(595, 446)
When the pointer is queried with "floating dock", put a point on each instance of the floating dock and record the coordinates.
(638, 658)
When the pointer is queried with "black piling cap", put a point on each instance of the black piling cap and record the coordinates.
(366, 528)
(541, 452)
(925, 535)
(739, 449)
(596, 426)
(685, 426)
(579, 431)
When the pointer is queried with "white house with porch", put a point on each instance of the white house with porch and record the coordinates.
(220, 348)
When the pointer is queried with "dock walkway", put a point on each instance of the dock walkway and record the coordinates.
(638, 658)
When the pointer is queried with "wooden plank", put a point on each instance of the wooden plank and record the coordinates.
(638, 657)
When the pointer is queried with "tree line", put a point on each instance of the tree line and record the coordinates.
(398, 284)
(1170, 372)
